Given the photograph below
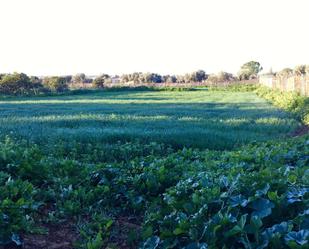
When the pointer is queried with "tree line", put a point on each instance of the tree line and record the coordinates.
(22, 84)
(298, 70)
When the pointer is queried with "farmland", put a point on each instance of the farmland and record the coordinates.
(153, 169)
(204, 119)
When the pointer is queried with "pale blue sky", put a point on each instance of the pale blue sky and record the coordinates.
(44, 37)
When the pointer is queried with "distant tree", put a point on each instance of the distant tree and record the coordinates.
(68, 78)
(55, 83)
(307, 69)
(144, 77)
(100, 81)
(147, 77)
(88, 80)
(79, 78)
(187, 78)
(180, 79)
(37, 85)
(300, 70)
(156, 78)
(212, 78)
(35, 80)
(124, 78)
(169, 79)
(16, 83)
(136, 77)
(249, 70)
(224, 76)
(285, 72)
(199, 76)
(141, 78)
(221, 77)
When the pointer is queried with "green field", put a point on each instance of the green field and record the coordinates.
(205, 119)
(154, 170)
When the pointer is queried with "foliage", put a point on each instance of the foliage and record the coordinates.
(231, 202)
(189, 196)
(198, 76)
(285, 72)
(79, 78)
(290, 101)
(234, 86)
(61, 167)
(20, 84)
(56, 84)
(249, 70)
(141, 78)
(220, 77)
(101, 80)
(170, 78)
(17, 194)
(300, 70)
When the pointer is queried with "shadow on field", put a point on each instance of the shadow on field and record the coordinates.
(204, 125)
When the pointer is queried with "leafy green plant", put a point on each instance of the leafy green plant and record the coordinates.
(95, 233)
(165, 195)
(290, 101)
(16, 204)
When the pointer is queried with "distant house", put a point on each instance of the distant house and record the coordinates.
(115, 79)
(92, 76)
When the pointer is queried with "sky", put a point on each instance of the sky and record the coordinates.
(61, 37)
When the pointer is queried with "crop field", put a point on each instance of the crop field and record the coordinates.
(127, 169)
(214, 120)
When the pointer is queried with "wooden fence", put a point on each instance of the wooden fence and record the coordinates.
(299, 84)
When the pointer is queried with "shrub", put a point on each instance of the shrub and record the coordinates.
(300, 70)
(254, 197)
(220, 77)
(20, 84)
(56, 84)
(307, 69)
(101, 80)
(249, 70)
(285, 72)
(290, 101)
(234, 87)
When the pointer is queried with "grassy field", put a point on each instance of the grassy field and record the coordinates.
(204, 119)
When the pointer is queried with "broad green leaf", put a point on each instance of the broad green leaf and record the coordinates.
(151, 243)
(301, 237)
(262, 207)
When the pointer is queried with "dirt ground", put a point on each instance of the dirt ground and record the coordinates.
(63, 236)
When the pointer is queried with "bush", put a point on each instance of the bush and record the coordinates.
(56, 84)
(234, 87)
(307, 69)
(220, 77)
(286, 72)
(249, 70)
(20, 84)
(300, 70)
(254, 197)
(100, 81)
(290, 101)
